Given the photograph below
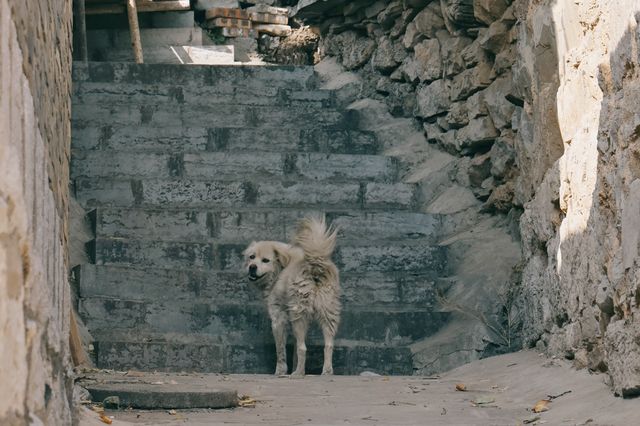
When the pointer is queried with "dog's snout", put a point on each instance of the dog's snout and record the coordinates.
(253, 268)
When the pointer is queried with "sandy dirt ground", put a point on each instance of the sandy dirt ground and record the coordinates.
(499, 391)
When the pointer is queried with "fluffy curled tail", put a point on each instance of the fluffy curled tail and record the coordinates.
(315, 238)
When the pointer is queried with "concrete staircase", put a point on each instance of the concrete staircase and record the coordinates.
(182, 166)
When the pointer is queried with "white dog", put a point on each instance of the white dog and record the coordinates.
(300, 284)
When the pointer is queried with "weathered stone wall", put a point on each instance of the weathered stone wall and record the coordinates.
(533, 108)
(44, 37)
(580, 231)
(443, 69)
(448, 64)
(35, 79)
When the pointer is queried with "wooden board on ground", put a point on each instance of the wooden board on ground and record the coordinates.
(93, 8)
(275, 30)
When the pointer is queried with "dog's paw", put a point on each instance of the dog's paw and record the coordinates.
(281, 370)
(296, 375)
(327, 371)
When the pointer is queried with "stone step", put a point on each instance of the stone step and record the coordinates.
(384, 256)
(144, 138)
(225, 165)
(193, 353)
(194, 76)
(417, 290)
(228, 115)
(179, 54)
(92, 192)
(277, 93)
(249, 322)
(238, 226)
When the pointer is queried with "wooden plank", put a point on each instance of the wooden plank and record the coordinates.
(225, 12)
(263, 8)
(143, 6)
(232, 23)
(132, 12)
(78, 354)
(268, 18)
(81, 30)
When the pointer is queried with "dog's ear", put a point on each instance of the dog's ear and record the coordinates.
(249, 249)
(282, 255)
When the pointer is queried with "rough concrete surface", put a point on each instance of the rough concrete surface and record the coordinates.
(500, 391)
(154, 396)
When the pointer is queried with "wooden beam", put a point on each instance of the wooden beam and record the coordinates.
(134, 28)
(81, 30)
(143, 6)
(78, 354)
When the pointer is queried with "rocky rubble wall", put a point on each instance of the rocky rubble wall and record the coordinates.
(35, 75)
(531, 109)
(443, 71)
(450, 70)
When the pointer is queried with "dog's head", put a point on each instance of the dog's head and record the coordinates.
(265, 259)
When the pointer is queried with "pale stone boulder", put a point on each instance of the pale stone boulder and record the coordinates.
(433, 99)
(487, 11)
(429, 20)
(426, 63)
(477, 136)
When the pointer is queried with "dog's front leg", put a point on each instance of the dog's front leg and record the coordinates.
(300, 327)
(279, 328)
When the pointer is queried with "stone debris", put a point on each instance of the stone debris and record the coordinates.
(274, 30)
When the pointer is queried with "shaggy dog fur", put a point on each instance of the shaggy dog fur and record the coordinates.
(300, 284)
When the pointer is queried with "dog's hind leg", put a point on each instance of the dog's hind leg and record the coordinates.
(300, 327)
(328, 333)
(279, 327)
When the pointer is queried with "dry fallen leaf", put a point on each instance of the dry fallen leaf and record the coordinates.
(541, 406)
(461, 387)
(105, 419)
(247, 401)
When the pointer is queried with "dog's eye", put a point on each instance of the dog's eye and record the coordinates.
(265, 261)
(253, 256)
